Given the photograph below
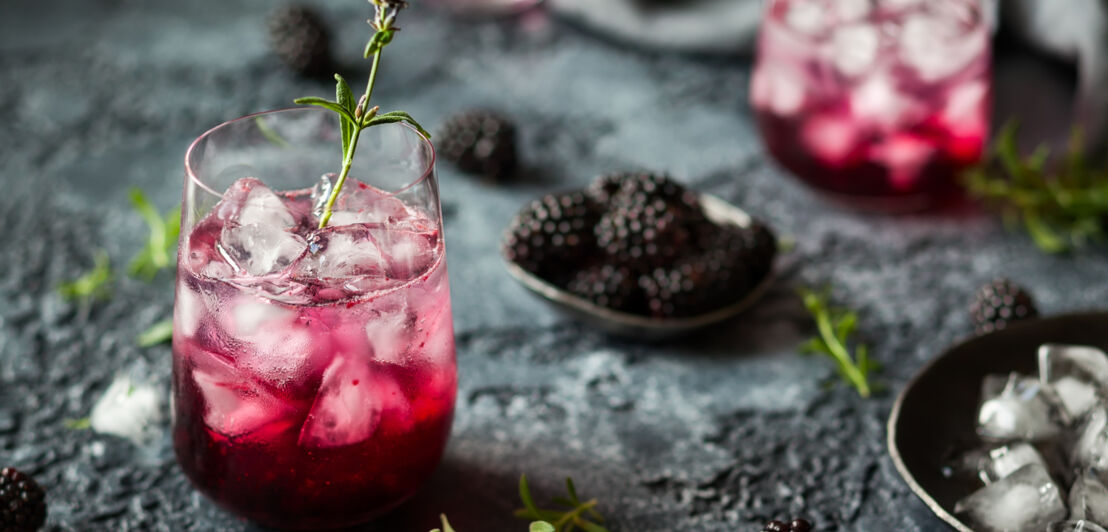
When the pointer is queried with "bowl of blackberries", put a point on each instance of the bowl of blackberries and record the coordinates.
(640, 254)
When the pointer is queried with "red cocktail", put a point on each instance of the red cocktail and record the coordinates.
(880, 102)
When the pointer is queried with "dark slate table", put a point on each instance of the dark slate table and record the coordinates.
(717, 432)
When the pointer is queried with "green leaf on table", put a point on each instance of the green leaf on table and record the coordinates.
(579, 514)
(1061, 204)
(78, 424)
(158, 252)
(445, 525)
(542, 526)
(158, 333)
(835, 326)
(91, 285)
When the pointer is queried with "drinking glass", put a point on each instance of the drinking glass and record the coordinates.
(881, 103)
(314, 371)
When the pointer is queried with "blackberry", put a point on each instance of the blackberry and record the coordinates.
(609, 286)
(480, 141)
(553, 235)
(649, 220)
(22, 502)
(1000, 303)
(796, 525)
(300, 39)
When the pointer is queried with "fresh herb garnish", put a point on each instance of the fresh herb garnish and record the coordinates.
(158, 251)
(158, 333)
(356, 115)
(577, 514)
(78, 424)
(835, 326)
(91, 285)
(445, 525)
(1062, 206)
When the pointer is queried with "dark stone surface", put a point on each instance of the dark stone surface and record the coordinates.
(718, 432)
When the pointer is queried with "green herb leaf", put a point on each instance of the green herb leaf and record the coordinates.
(1061, 206)
(315, 100)
(445, 525)
(91, 285)
(269, 133)
(78, 424)
(397, 116)
(158, 333)
(158, 253)
(542, 526)
(560, 521)
(345, 98)
(835, 327)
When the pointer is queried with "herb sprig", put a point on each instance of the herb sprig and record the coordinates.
(92, 285)
(835, 326)
(1062, 206)
(356, 115)
(577, 514)
(157, 333)
(157, 254)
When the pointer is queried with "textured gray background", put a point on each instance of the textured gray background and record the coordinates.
(718, 432)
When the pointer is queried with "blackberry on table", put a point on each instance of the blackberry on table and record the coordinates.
(301, 40)
(796, 525)
(22, 502)
(553, 236)
(480, 141)
(1000, 303)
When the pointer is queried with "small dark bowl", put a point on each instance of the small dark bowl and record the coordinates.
(937, 410)
(645, 327)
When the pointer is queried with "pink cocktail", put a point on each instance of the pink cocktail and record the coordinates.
(878, 102)
(314, 369)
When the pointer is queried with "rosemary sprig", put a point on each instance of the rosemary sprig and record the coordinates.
(157, 254)
(835, 326)
(158, 333)
(577, 514)
(78, 424)
(91, 285)
(356, 115)
(1062, 206)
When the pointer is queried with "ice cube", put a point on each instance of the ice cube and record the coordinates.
(833, 138)
(343, 251)
(1019, 412)
(235, 404)
(778, 88)
(851, 10)
(1075, 397)
(1090, 446)
(939, 46)
(965, 119)
(854, 48)
(878, 102)
(130, 408)
(353, 400)
(1003, 461)
(1079, 525)
(249, 202)
(359, 203)
(1082, 362)
(806, 16)
(390, 335)
(1089, 498)
(188, 309)
(260, 250)
(278, 347)
(1025, 500)
(409, 253)
(904, 155)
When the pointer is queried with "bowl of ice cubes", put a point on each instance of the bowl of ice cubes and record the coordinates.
(1008, 431)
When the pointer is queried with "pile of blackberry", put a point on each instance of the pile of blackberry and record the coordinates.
(796, 525)
(639, 243)
(22, 502)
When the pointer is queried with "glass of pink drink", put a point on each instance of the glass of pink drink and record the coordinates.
(877, 102)
(314, 370)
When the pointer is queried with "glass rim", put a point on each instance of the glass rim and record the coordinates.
(193, 177)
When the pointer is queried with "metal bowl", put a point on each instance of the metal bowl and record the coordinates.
(644, 327)
(937, 411)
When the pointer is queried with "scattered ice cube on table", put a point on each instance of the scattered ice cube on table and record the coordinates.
(1018, 412)
(806, 16)
(130, 408)
(352, 402)
(1025, 500)
(1090, 446)
(1004, 461)
(1089, 498)
(854, 48)
(1079, 525)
